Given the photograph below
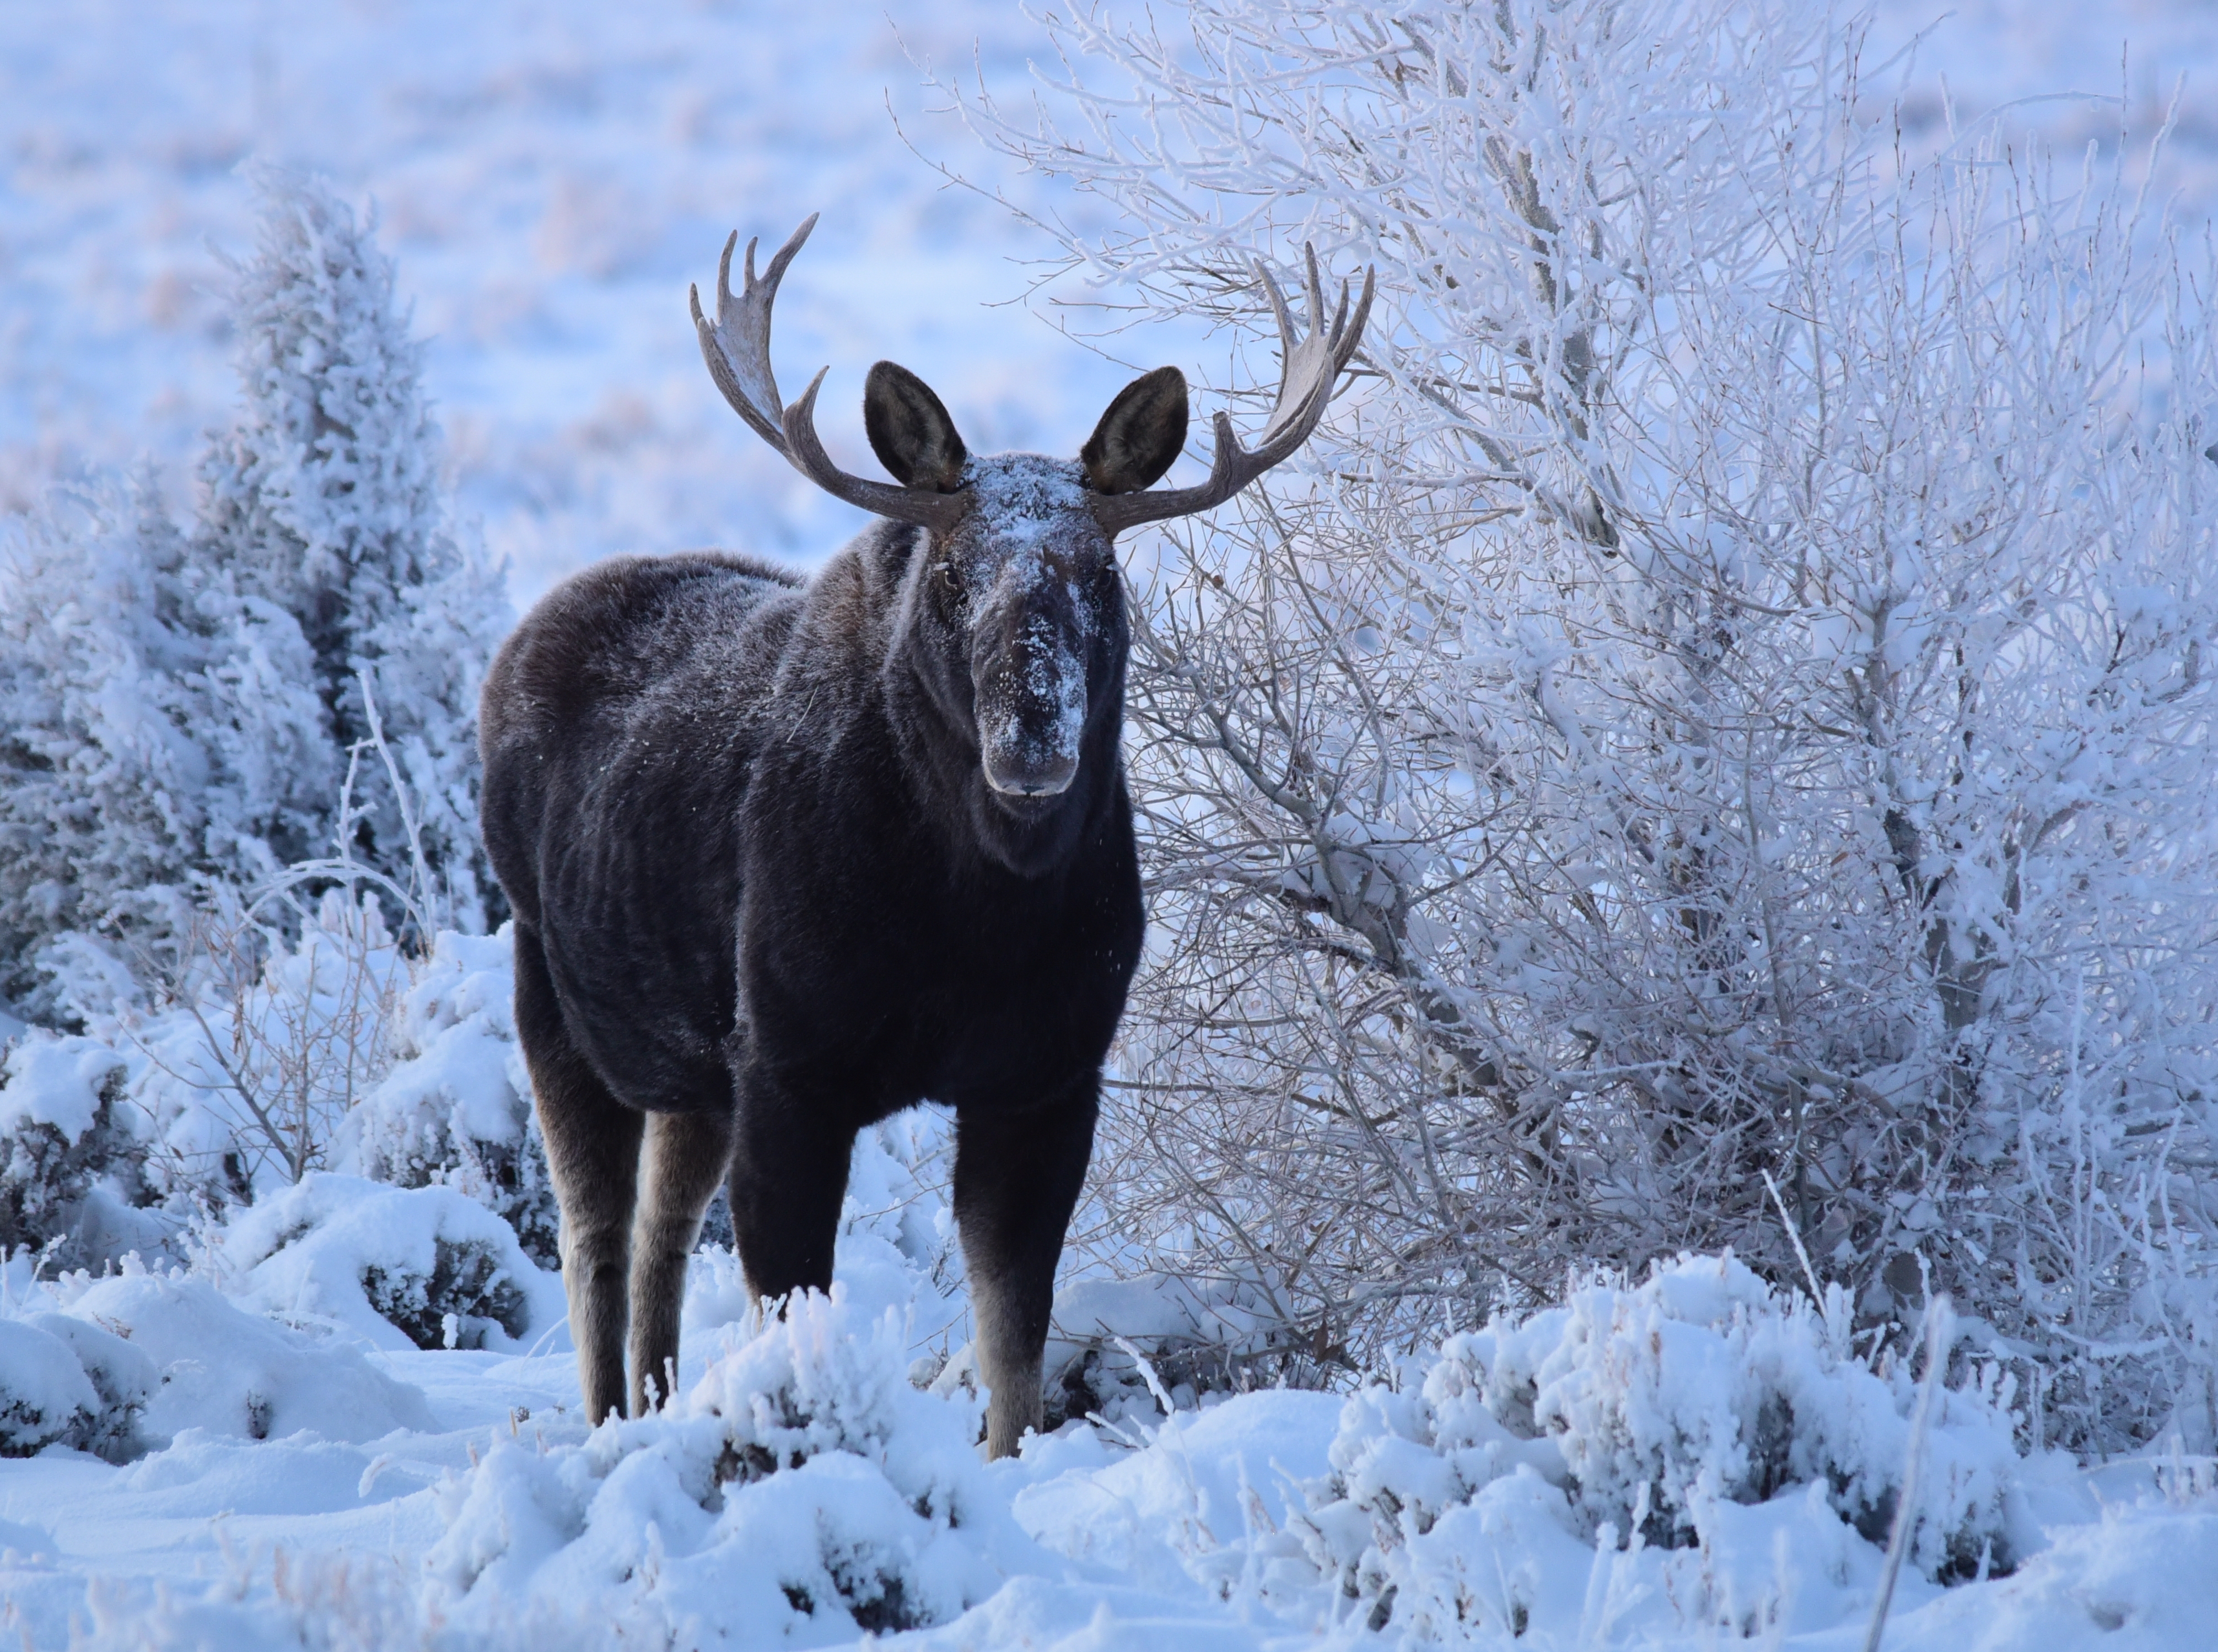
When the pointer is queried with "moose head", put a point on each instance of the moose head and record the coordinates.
(1017, 628)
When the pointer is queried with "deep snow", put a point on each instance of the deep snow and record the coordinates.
(804, 1491)
(352, 1421)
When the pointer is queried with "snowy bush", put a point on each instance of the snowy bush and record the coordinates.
(63, 1381)
(233, 1372)
(1727, 692)
(1645, 1413)
(121, 1365)
(158, 736)
(250, 1067)
(1113, 1344)
(455, 1110)
(45, 1395)
(334, 1050)
(804, 1491)
(74, 1175)
(124, 1382)
(392, 1266)
(290, 684)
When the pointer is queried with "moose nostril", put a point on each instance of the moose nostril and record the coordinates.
(1013, 780)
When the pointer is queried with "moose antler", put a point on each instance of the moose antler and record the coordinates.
(1310, 368)
(737, 349)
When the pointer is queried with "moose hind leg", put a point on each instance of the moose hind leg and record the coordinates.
(687, 1154)
(1017, 1177)
(593, 1154)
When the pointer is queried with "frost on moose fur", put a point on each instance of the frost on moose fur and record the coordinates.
(392, 1266)
(1647, 1413)
(802, 1491)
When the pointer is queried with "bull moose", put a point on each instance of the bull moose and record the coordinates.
(787, 855)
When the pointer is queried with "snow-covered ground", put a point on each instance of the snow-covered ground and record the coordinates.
(349, 1418)
(1681, 1464)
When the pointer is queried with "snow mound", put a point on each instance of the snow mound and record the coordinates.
(64, 1380)
(232, 1372)
(45, 1395)
(802, 1492)
(455, 1108)
(426, 1267)
(58, 1081)
(1197, 1337)
(71, 1150)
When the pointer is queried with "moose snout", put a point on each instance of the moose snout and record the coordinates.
(1028, 743)
(1021, 779)
(1031, 713)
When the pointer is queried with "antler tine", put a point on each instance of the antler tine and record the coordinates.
(1310, 367)
(736, 347)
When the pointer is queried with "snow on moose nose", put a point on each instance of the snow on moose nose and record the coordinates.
(1031, 619)
(1031, 705)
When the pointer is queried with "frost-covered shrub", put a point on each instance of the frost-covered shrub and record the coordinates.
(802, 1491)
(1197, 1337)
(156, 736)
(455, 1111)
(1726, 689)
(74, 1171)
(124, 1382)
(249, 1069)
(290, 683)
(395, 1266)
(1652, 1409)
(334, 1049)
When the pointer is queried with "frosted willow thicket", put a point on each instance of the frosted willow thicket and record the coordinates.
(1727, 696)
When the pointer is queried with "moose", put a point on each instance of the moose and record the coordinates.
(786, 856)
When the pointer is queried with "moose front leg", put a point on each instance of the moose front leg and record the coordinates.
(788, 1176)
(1017, 1177)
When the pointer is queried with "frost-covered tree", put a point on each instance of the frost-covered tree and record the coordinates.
(1728, 700)
(180, 710)
(323, 498)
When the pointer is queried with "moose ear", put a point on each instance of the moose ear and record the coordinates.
(1139, 435)
(910, 430)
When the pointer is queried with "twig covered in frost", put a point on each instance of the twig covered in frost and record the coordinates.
(1940, 1336)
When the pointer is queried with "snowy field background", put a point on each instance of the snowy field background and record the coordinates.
(551, 176)
(296, 1471)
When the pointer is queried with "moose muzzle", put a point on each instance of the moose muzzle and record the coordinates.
(1030, 699)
